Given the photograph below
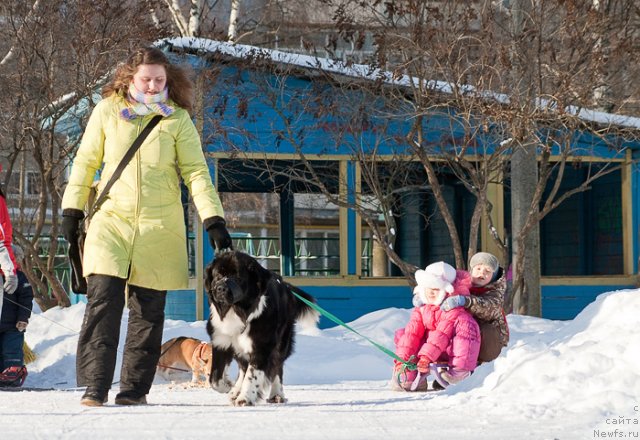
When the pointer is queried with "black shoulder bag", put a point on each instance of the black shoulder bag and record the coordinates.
(76, 250)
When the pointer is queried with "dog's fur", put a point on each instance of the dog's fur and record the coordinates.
(252, 317)
(183, 355)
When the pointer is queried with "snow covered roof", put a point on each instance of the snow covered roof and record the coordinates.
(366, 72)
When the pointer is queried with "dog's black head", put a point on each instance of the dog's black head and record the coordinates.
(234, 279)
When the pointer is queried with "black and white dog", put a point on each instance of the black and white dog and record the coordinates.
(251, 321)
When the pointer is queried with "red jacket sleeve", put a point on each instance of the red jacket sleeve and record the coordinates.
(7, 259)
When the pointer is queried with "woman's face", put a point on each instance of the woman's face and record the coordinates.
(150, 78)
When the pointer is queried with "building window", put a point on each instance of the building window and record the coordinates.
(33, 184)
(28, 185)
(583, 236)
(317, 236)
(307, 240)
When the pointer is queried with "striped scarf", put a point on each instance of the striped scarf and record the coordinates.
(141, 104)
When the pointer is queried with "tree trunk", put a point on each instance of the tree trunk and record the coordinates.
(233, 20)
(524, 169)
(526, 249)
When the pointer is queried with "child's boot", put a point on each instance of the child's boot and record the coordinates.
(455, 375)
(402, 378)
(13, 376)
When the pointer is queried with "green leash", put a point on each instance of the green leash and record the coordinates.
(408, 365)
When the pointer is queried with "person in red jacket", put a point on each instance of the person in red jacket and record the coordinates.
(16, 302)
(435, 336)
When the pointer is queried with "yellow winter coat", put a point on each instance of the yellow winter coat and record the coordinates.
(139, 232)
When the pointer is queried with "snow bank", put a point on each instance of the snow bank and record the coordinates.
(586, 371)
(588, 366)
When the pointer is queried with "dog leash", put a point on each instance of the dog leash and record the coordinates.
(175, 341)
(6, 297)
(407, 365)
(178, 339)
(167, 349)
(173, 368)
(41, 316)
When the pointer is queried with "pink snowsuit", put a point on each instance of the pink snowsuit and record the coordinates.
(452, 337)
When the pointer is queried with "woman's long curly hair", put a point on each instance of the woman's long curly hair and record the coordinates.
(181, 89)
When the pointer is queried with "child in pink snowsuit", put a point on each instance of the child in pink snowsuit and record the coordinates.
(433, 335)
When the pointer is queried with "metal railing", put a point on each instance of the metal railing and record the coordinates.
(315, 256)
(61, 266)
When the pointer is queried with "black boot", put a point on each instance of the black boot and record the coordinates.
(94, 397)
(131, 397)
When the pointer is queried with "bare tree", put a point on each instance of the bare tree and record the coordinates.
(258, 22)
(56, 58)
(452, 91)
(195, 18)
(544, 63)
(480, 82)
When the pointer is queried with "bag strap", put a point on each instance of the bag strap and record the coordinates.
(123, 164)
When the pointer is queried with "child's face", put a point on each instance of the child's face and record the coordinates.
(431, 296)
(481, 275)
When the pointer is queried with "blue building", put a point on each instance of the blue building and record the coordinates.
(589, 243)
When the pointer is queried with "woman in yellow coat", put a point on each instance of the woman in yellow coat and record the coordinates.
(136, 242)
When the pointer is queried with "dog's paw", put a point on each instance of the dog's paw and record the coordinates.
(242, 402)
(246, 397)
(233, 395)
(222, 386)
(277, 399)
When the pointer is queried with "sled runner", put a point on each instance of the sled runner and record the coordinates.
(435, 370)
(420, 381)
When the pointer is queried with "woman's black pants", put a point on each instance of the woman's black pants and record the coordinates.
(100, 334)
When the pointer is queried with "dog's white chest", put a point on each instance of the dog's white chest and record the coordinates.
(231, 332)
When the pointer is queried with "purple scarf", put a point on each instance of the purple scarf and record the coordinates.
(141, 104)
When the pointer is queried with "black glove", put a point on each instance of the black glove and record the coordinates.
(71, 224)
(219, 237)
(71, 230)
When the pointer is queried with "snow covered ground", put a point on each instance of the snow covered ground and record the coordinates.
(576, 379)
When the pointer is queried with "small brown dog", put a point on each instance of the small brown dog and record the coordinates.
(183, 355)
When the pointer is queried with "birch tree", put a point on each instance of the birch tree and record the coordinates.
(236, 21)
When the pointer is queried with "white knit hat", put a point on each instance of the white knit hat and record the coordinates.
(439, 276)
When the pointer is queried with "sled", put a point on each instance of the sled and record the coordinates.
(435, 370)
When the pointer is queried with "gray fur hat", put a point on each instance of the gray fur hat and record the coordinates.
(485, 258)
